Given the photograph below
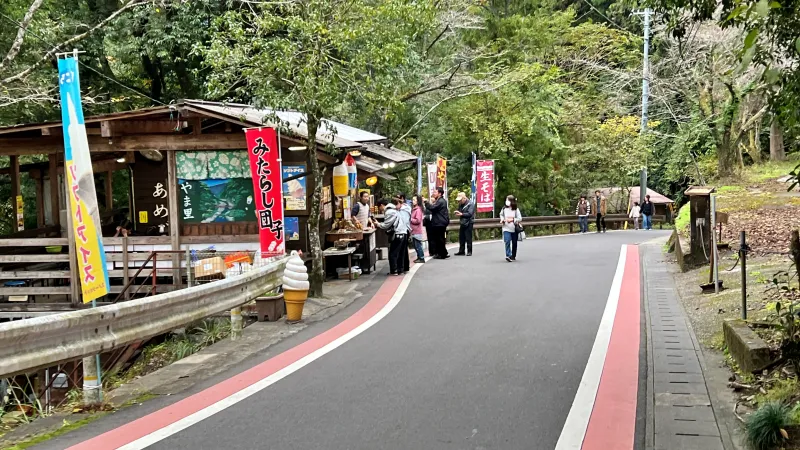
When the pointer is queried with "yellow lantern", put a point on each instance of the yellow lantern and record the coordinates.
(372, 181)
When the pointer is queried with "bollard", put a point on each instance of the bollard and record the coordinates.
(236, 323)
(743, 259)
(92, 389)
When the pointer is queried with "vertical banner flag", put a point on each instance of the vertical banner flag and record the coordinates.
(485, 176)
(80, 182)
(265, 168)
(431, 178)
(474, 187)
(419, 175)
(441, 174)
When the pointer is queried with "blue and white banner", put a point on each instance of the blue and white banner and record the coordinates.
(80, 181)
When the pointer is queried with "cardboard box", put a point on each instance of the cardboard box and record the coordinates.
(210, 267)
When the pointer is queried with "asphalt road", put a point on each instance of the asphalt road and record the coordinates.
(479, 354)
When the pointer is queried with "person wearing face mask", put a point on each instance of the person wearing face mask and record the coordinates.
(511, 219)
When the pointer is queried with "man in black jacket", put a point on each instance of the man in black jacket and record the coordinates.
(440, 219)
(466, 215)
(647, 213)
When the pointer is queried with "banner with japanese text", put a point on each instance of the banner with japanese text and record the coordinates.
(485, 185)
(265, 166)
(91, 256)
(441, 174)
(431, 168)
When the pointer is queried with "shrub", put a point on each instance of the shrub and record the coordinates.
(765, 427)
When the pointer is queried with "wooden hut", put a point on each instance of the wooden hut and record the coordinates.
(190, 188)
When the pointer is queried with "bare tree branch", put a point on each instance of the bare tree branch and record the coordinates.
(23, 27)
(49, 55)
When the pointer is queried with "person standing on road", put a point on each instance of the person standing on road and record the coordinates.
(466, 214)
(511, 219)
(440, 219)
(404, 209)
(647, 213)
(417, 217)
(634, 214)
(389, 209)
(600, 209)
(582, 211)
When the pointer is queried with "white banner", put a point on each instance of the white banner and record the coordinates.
(431, 178)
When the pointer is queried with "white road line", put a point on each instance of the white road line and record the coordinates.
(258, 386)
(578, 419)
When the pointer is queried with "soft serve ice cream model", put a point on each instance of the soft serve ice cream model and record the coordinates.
(295, 287)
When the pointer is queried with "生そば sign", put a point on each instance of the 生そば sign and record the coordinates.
(485, 185)
(82, 194)
(265, 166)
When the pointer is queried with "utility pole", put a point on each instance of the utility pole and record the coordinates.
(645, 95)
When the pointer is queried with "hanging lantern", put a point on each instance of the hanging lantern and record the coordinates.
(372, 181)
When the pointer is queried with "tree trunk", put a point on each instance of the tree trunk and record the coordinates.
(317, 275)
(727, 157)
(776, 150)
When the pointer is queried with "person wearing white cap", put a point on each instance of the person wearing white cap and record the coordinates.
(466, 215)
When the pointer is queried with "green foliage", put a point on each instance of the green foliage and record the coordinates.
(765, 427)
(211, 331)
(682, 220)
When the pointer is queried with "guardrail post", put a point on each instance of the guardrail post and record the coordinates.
(189, 272)
(236, 323)
(92, 389)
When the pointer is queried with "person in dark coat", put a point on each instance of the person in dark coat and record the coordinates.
(466, 215)
(440, 219)
(647, 213)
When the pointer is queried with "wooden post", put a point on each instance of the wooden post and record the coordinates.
(174, 225)
(55, 210)
(109, 190)
(40, 201)
(15, 187)
(125, 277)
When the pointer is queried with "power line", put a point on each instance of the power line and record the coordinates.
(92, 69)
(604, 16)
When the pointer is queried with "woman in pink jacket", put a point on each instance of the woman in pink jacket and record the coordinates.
(417, 215)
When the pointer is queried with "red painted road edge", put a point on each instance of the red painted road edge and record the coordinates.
(168, 415)
(613, 421)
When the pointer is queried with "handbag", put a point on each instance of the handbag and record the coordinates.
(521, 236)
(426, 221)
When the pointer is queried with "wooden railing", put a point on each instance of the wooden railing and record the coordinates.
(539, 221)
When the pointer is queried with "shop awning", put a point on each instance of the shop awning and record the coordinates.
(392, 154)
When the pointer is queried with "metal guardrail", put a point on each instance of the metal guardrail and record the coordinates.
(45, 341)
(549, 220)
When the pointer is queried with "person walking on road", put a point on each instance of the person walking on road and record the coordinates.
(511, 219)
(440, 219)
(404, 209)
(582, 211)
(417, 217)
(647, 213)
(600, 209)
(466, 214)
(634, 214)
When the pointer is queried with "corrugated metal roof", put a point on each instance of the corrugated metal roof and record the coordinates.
(345, 135)
(388, 153)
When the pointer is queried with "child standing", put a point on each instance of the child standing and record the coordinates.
(636, 211)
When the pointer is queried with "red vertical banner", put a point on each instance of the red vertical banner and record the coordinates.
(485, 185)
(265, 167)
